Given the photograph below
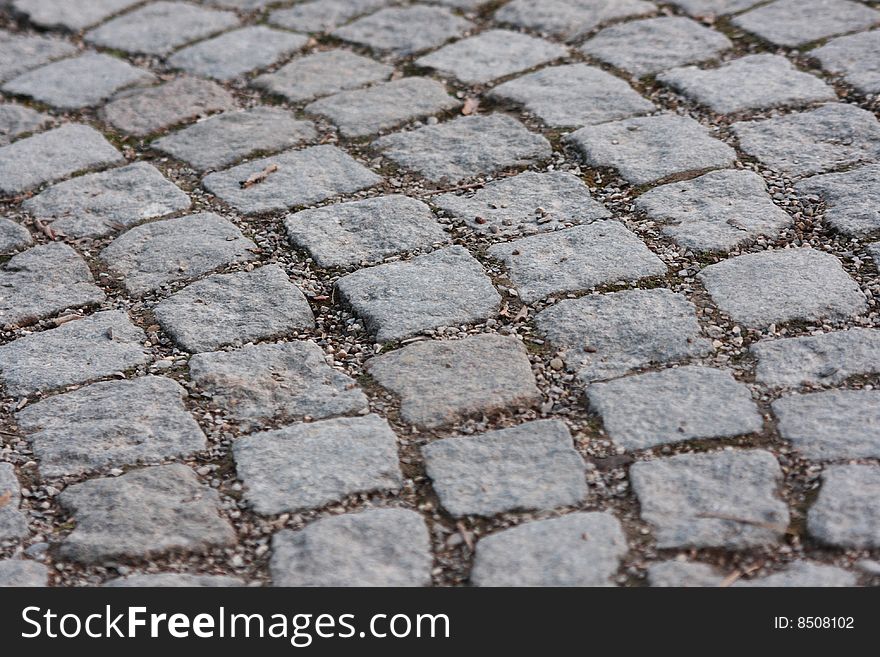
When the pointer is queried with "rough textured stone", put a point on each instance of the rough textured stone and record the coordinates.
(323, 15)
(19, 572)
(465, 147)
(834, 136)
(569, 19)
(648, 149)
(348, 234)
(404, 30)
(42, 281)
(174, 580)
(100, 203)
(22, 52)
(718, 211)
(302, 177)
(714, 7)
(609, 335)
(441, 382)
(401, 299)
(852, 199)
(113, 423)
(150, 256)
(797, 574)
(574, 95)
(379, 547)
(847, 513)
(73, 16)
(75, 352)
(18, 120)
(276, 382)
(580, 549)
(307, 466)
(797, 22)
(723, 499)
(576, 259)
(533, 466)
(240, 307)
(13, 522)
(13, 236)
(856, 57)
(143, 513)
(785, 285)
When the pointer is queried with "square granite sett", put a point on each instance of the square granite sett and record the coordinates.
(17, 120)
(847, 512)
(70, 14)
(795, 23)
(855, 57)
(404, 30)
(703, 8)
(569, 19)
(798, 574)
(13, 521)
(852, 199)
(323, 15)
(22, 572)
(22, 52)
(13, 236)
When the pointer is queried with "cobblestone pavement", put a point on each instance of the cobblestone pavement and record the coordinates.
(460, 292)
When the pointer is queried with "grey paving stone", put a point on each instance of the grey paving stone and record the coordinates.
(574, 95)
(442, 382)
(141, 514)
(569, 19)
(238, 52)
(714, 7)
(797, 22)
(100, 203)
(13, 522)
(491, 55)
(52, 155)
(852, 199)
(73, 16)
(78, 82)
(112, 423)
(847, 513)
(379, 547)
(579, 549)
(364, 112)
(152, 255)
(323, 15)
(295, 178)
(43, 281)
(465, 147)
(609, 335)
(276, 382)
(22, 52)
(724, 499)
(19, 572)
(322, 74)
(718, 211)
(348, 234)
(17, 120)
(404, 30)
(75, 352)
(146, 111)
(856, 57)
(13, 236)
(674, 405)
(648, 149)
(758, 289)
(656, 44)
(228, 308)
(576, 259)
(308, 466)
(175, 580)
(751, 82)
(533, 466)
(797, 574)
(159, 27)
(827, 359)
(397, 300)
(800, 144)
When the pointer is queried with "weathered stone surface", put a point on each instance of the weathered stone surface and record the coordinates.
(533, 466)
(364, 112)
(569, 19)
(852, 199)
(13, 522)
(42, 281)
(19, 572)
(174, 580)
(307, 466)
(649, 149)
(13, 236)
(152, 255)
(491, 55)
(579, 549)
(574, 95)
(323, 15)
(576, 259)
(73, 16)
(674, 405)
(758, 289)
(75, 352)
(276, 382)
(441, 382)
(714, 7)
(847, 513)
(22, 52)
(348, 234)
(113, 423)
(722, 499)
(228, 308)
(834, 136)
(798, 22)
(52, 155)
(100, 203)
(718, 211)
(401, 299)
(379, 547)
(404, 30)
(17, 120)
(856, 57)
(797, 574)
(465, 147)
(301, 178)
(609, 335)
(143, 513)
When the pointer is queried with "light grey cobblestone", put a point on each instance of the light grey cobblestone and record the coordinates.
(847, 512)
(13, 522)
(852, 199)
(16, 120)
(21, 572)
(856, 57)
(404, 30)
(73, 16)
(323, 15)
(570, 19)
(797, 574)
(22, 52)
(13, 236)
(798, 22)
